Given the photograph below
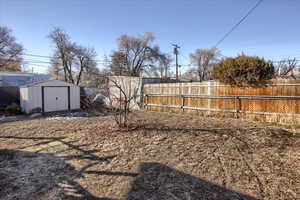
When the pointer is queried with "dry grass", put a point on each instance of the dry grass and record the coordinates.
(161, 156)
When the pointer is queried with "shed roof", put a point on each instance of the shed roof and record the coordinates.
(48, 83)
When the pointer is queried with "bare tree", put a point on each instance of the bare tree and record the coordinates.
(205, 60)
(63, 54)
(124, 95)
(286, 69)
(191, 74)
(10, 51)
(134, 54)
(85, 63)
(118, 62)
(166, 65)
(161, 67)
(56, 69)
(72, 61)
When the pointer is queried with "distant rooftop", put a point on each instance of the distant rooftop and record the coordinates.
(21, 78)
(19, 74)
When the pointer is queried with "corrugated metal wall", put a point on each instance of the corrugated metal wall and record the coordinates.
(129, 84)
(75, 97)
(276, 101)
(31, 96)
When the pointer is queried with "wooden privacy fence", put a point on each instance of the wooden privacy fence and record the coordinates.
(276, 101)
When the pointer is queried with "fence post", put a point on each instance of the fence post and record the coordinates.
(237, 106)
(209, 93)
(182, 103)
(144, 102)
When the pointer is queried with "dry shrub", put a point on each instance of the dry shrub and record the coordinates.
(13, 109)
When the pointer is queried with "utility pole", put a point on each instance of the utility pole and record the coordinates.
(176, 47)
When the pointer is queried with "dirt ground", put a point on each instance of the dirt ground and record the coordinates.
(162, 156)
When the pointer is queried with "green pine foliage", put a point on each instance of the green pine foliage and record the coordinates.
(243, 70)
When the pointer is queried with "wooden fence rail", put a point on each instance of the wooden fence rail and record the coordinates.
(283, 105)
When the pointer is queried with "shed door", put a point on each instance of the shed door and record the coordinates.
(55, 99)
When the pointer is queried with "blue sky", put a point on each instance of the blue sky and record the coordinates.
(271, 31)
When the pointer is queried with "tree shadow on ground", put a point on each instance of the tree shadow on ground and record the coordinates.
(27, 175)
(156, 181)
(83, 154)
(36, 175)
(48, 170)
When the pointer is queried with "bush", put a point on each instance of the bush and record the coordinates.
(13, 109)
(243, 70)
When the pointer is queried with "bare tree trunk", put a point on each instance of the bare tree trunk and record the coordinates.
(80, 72)
(65, 74)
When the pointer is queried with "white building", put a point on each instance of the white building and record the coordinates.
(49, 96)
(132, 87)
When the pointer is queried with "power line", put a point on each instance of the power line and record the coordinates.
(40, 61)
(33, 55)
(49, 57)
(30, 61)
(278, 61)
(236, 25)
(49, 62)
(43, 66)
(272, 61)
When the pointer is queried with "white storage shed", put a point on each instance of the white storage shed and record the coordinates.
(49, 96)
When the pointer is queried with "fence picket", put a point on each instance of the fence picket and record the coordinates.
(277, 101)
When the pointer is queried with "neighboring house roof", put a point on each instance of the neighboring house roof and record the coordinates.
(20, 78)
